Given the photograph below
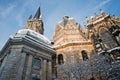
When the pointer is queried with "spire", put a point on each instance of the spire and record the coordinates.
(30, 17)
(38, 14)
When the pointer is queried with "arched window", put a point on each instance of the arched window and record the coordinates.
(60, 59)
(84, 55)
(107, 39)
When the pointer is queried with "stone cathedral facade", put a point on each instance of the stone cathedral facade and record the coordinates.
(29, 55)
(102, 35)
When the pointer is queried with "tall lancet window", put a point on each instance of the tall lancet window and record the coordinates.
(60, 59)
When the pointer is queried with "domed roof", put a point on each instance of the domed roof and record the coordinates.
(33, 34)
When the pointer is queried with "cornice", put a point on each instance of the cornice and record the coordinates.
(73, 44)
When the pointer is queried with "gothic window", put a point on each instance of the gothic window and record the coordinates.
(84, 55)
(116, 33)
(107, 39)
(60, 59)
(36, 63)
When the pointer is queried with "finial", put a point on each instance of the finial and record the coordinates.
(113, 15)
(102, 12)
(65, 17)
(84, 24)
(95, 15)
(92, 17)
(87, 19)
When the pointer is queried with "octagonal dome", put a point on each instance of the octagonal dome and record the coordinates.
(33, 34)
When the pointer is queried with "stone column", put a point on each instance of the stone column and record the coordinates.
(44, 75)
(49, 74)
(29, 68)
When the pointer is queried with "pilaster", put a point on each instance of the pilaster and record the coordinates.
(21, 66)
(49, 77)
(29, 66)
(44, 75)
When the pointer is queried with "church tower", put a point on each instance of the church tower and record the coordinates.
(36, 24)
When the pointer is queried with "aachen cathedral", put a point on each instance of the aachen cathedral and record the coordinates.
(29, 55)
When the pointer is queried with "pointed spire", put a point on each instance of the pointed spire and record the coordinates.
(38, 14)
(30, 17)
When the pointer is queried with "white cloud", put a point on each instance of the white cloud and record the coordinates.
(6, 11)
(20, 16)
(101, 4)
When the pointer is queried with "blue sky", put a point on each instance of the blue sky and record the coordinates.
(14, 13)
